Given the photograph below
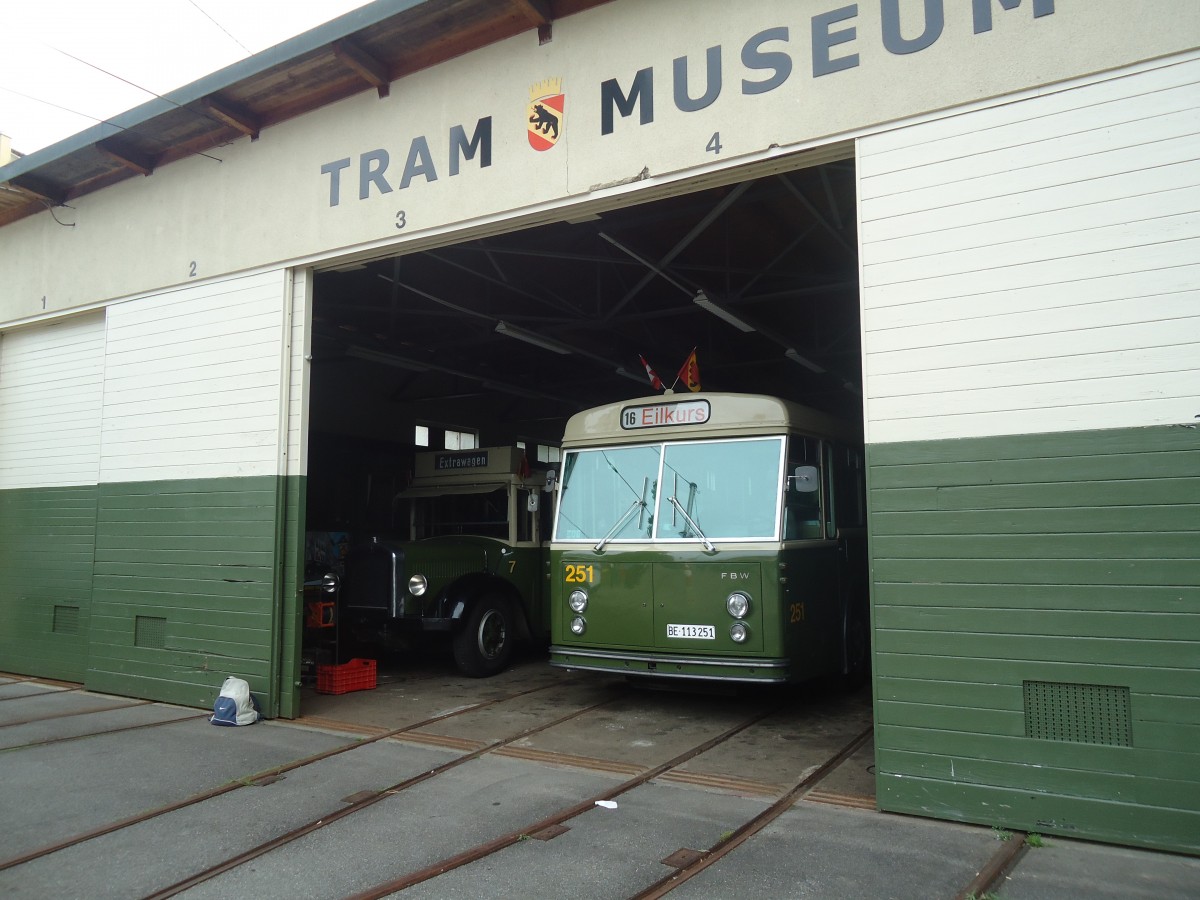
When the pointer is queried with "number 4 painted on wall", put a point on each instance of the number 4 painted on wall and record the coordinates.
(714, 143)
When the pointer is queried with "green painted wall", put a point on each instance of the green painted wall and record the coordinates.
(183, 588)
(47, 539)
(292, 607)
(174, 582)
(1063, 559)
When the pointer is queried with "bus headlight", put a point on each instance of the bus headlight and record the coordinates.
(578, 625)
(578, 600)
(738, 605)
(738, 632)
(417, 585)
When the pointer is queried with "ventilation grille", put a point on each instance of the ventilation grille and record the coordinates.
(150, 631)
(66, 620)
(1082, 713)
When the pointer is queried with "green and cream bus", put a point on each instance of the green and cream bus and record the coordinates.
(710, 536)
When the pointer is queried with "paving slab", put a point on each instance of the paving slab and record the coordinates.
(476, 802)
(171, 847)
(61, 790)
(40, 702)
(822, 852)
(1065, 868)
(11, 689)
(93, 722)
(606, 853)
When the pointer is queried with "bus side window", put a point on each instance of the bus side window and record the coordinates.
(801, 510)
(524, 517)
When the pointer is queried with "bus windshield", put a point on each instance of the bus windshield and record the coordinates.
(693, 491)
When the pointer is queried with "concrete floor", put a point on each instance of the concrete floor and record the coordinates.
(638, 726)
(74, 763)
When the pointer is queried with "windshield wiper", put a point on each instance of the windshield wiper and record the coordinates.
(696, 528)
(638, 504)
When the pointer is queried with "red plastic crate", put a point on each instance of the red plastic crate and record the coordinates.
(356, 675)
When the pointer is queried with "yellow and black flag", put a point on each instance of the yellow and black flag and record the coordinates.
(690, 373)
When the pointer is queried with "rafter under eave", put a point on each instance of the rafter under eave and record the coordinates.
(537, 11)
(40, 188)
(366, 66)
(233, 115)
(142, 163)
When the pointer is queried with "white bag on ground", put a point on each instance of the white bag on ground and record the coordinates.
(234, 705)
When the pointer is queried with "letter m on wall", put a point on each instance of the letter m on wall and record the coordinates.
(982, 10)
(611, 96)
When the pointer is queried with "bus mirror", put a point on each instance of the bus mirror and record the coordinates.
(531, 502)
(806, 479)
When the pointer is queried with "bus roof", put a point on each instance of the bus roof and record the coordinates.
(700, 415)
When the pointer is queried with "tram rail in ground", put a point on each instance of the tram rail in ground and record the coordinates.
(250, 780)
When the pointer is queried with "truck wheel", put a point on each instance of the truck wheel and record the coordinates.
(485, 644)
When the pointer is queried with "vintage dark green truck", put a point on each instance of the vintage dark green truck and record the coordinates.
(468, 560)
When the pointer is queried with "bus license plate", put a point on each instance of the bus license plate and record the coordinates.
(705, 632)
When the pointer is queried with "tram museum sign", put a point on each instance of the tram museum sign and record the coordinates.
(766, 61)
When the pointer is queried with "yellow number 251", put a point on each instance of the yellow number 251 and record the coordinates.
(578, 574)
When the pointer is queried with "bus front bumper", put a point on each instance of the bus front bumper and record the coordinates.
(666, 665)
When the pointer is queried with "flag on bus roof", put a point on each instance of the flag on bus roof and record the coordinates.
(690, 373)
(655, 381)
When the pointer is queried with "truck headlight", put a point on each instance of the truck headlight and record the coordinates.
(738, 604)
(578, 600)
(738, 632)
(578, 625)
(417, 585)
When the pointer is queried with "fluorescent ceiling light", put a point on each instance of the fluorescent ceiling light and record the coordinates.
(702, 300)
(386, 359)
(530, 338)
(804, 361)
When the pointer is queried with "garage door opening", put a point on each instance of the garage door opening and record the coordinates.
(474, 356)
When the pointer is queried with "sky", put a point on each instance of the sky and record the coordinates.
(53, 51)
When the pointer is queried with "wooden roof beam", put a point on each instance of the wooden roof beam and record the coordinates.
(366, 66)
(40, 188)
(135, 160)
(233, 115)
(540, 14)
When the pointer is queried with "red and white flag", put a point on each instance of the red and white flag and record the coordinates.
(655, 381)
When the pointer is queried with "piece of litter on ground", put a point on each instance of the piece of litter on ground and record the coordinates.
(607, 804)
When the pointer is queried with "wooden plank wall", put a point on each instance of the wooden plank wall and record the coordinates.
(1032, 368)
(188, 501)
(1034, 266)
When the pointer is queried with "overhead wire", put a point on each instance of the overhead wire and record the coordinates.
(208, 16)
(146, 90)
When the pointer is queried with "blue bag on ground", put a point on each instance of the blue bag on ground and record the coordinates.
(234, 705)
